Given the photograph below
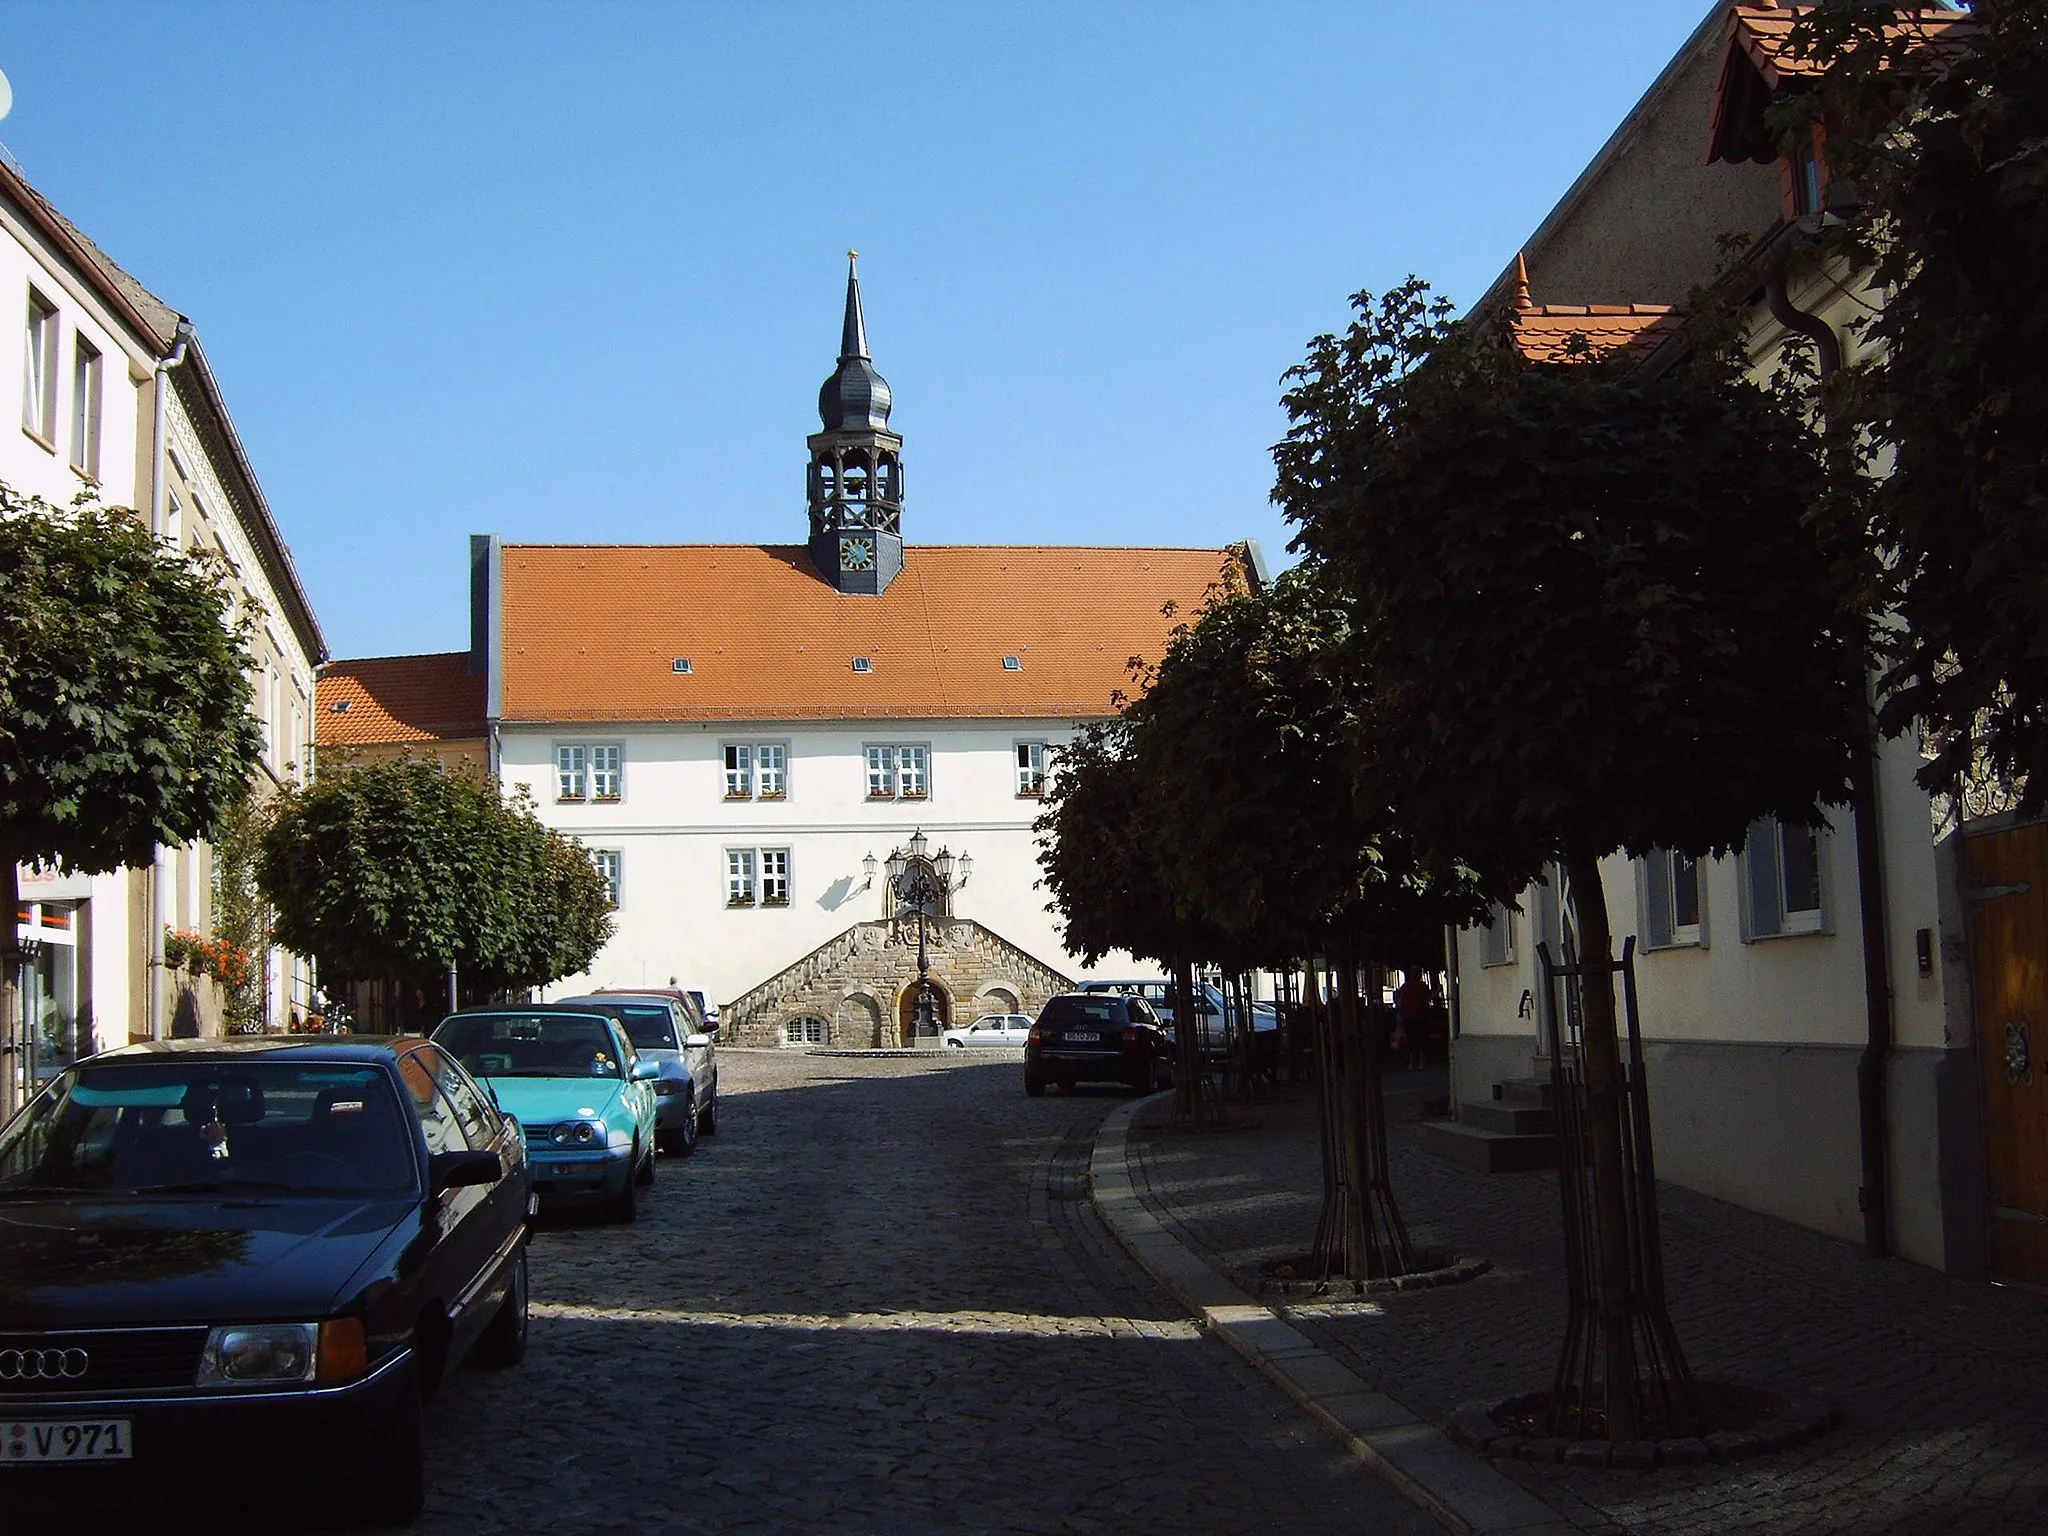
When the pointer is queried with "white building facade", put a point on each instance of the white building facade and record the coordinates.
(743, 735)
(116, 399)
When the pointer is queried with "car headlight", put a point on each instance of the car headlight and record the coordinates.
(578, 1133)
(665, 1087)
(282, 1354)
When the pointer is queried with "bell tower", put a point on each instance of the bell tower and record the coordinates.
(855, 486)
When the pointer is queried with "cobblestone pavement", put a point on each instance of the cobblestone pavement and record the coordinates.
(1942, 1384)
(878, 1300)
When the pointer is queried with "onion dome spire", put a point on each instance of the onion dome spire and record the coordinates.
(856, 398)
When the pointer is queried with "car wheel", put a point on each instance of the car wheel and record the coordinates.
(707, 1123)
(503, 1341)
(956, 1045)
(682, 1141)
(393, 1489)
(1035, 1086)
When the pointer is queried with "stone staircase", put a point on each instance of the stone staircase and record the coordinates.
(854, 980)
(1513, 1132)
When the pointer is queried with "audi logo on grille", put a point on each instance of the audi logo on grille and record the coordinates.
(42, 1364)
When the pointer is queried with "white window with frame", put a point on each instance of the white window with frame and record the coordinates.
(898, 772)
(572, 773)
(1497, 936)
(756, 770)
(1031, 770)
(610, 864)
(607, 772)
(85, 407)
(39, 372)
(757, 877)
(806, 1031)
(1673, 914)
(1784, 882)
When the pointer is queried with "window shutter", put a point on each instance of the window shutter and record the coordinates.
(1763, 881)
(1657, 878)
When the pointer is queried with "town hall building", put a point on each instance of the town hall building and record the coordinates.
(786, 758)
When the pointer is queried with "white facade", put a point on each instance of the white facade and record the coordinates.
(674, 828)
(113, 397)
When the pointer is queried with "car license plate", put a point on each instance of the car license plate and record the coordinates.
(65, 1440)
(1073, 1034)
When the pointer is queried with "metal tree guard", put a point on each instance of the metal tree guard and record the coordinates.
(1359, 1233)
(1658, 1365)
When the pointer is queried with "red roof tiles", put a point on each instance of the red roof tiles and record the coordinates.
(386, 700)
(1762, 33)
(1544, 332)
(594, 632)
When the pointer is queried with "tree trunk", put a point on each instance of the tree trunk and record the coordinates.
(1187, 1027)
(10, 983)
(1604, 1108)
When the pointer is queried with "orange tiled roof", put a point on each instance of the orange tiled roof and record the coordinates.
(1761, 32)
(591, 632)
(396, 699)
(1543, 332)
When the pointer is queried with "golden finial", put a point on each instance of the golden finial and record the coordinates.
(853, 256)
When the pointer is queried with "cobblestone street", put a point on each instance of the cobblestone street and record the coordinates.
(878, 1300)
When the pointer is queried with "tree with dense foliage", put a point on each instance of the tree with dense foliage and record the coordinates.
(1244, 740)
(1591, 617)
(125, 718)
(1941, 131)
(1099, 852)
(404, 868)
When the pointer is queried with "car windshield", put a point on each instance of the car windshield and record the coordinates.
(531, 1044)
(172, 1126)
(649, 1026)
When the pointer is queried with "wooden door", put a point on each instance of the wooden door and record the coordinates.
(2008, 878)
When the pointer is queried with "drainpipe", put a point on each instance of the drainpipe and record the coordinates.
(1874, 1198)
(155, 904)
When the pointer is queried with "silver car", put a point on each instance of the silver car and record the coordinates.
(686, 1090)
(996, 1029)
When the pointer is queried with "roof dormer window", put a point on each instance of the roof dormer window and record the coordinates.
(863, 664)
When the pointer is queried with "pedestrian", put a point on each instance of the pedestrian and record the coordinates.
(1412, 1001)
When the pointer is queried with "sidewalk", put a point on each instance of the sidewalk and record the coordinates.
(1942, 1384)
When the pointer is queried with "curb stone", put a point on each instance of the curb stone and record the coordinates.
(1464, 1493)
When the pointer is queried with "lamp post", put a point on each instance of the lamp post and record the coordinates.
(920, 882)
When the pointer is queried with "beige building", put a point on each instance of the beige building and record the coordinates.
(1815, 1046)
(115, 397)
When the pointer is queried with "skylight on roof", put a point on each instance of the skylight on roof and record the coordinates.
(1012, 664)
(863, 664)
(681, 664)
(340, 706)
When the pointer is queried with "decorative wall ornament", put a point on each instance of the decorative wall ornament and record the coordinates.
(2019, 1066)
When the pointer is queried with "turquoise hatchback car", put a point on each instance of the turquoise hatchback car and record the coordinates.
(583, 1098)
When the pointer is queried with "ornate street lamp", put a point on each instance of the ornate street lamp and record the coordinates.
(920, 883)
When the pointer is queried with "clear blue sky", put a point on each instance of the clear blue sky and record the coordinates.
(574, 271)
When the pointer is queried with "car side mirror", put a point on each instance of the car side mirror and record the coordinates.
(645, 1070)
(456, 1170)
(696, 1042)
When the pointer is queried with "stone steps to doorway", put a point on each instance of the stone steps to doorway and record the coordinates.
(1515, 1132)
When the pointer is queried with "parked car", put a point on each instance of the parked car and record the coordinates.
(691, 1002)
(1159, 995)
(663, 1030)
(234, 1268)
(995, 1029)
(581, 1094)
(1097, 1037)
